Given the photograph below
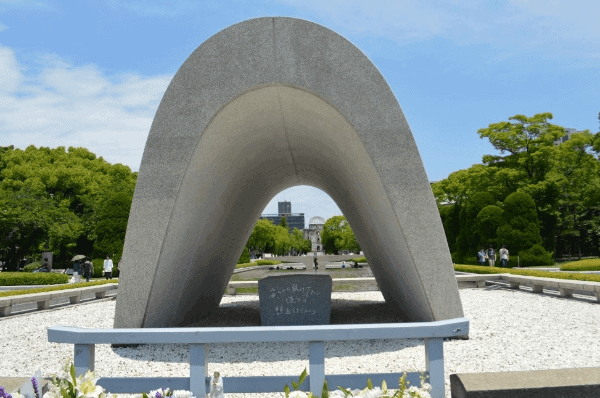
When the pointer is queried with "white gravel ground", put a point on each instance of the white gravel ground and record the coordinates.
(509, 331)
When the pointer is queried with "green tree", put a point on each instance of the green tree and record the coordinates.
(576, 176)
(282, 242)
(450, 215)
(298, 243)
(283, 223)
(54, 195)
(488, 221)
(338, 235)
(113, 215)
(245, 257)
(528, 142)
(262, 236)
(469, 239)
(519, 229)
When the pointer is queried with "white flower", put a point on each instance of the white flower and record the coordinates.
(416, 392)
(374, 393)
(298, 394)
(17, 395)
(182, 394)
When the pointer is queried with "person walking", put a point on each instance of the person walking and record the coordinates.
(87, 270)
(108, 266)
(316, 263)
(491, 253)
(503, 256)
(481, 256)
(77, 272)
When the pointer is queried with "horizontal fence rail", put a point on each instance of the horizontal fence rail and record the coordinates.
(45, 299)
(199, 339)
(565, 287)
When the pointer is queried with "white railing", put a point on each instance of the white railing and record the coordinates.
(199, 340)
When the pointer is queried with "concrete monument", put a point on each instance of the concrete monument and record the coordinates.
(261, 106)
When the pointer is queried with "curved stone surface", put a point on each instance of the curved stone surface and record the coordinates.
(261, 106)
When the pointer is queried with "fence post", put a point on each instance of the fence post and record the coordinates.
(434, 357)
(316, 363)
(84, 358)
(198, 369)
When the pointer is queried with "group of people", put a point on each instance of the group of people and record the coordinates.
(491, 257)
(85, 267)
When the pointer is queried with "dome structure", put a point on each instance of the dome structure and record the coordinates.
(316, 220)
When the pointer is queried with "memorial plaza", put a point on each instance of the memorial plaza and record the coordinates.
(509, 331)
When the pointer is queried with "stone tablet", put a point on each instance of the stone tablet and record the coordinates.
(295, 299)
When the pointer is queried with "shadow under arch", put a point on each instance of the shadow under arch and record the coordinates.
(302, 129)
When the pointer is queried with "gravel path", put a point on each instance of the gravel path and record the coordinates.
(510, 330)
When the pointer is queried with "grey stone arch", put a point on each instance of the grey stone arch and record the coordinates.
(261, 106)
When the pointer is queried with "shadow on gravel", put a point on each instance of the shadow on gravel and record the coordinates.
(247, 313)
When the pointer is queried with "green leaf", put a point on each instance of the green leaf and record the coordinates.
(295, 385)
(144, 395)
(286, 390)
(302, 377)
(369, 384)
(73, 373)
(325, 392)
(346, 392)
(384, 386)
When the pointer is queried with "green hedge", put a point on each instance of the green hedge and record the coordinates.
(54, 288)
(535, 256)
(267, 262)
(244, 257)
(245, 265)
(32, 266)
(28, 278)
(591, 264)
(542, 274)
(357, 259)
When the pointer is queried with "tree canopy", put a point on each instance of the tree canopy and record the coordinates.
(338, 235)
(54, 200)
(561, 181)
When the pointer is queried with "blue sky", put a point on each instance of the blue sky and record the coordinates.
(91, 73)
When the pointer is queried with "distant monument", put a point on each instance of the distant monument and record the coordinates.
(313, 233)
(264, 105)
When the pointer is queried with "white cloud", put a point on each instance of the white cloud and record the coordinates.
(157, 8)
(10, 75)
(406, 20)
(548, 28)
(66, 105)
(3, 27)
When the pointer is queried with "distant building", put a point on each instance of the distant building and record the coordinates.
(568, 132)
(294, 220)
(285, 208)
(313, 233)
